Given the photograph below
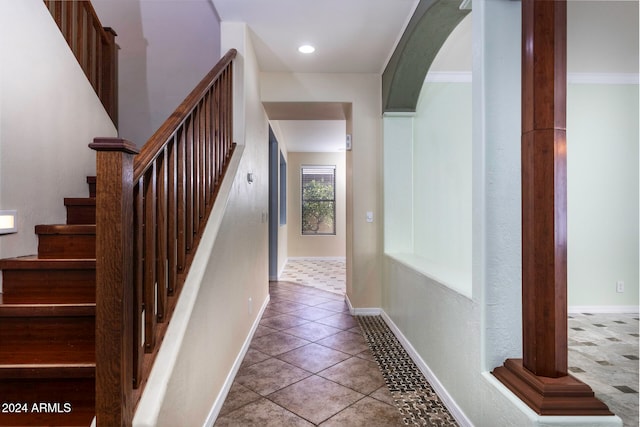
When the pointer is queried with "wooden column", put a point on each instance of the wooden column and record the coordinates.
(114, 281)
(541, 378)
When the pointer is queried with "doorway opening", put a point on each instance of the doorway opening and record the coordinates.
(309, 198)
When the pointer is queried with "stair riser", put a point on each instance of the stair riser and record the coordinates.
(62, 246)
(49, 286)
(81, 214)
(50, 396)
(47, 339)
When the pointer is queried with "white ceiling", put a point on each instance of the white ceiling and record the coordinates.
(314, 136)
(358, 36)
(350, 36)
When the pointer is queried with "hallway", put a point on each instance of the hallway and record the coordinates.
(309, 364)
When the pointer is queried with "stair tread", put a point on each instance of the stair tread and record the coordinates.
(75, 201)
(32, 262)
(48, 370)
(47, 310)
(89, 229)
(52, 353)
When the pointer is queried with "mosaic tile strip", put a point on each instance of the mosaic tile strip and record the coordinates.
(413, 395)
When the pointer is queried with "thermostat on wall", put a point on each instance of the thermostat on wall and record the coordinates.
(347, 144)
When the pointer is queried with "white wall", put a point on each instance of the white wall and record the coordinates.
(308, 245)
(602, 196)
(49, 113)
(166, 48)
(467, 337)
(235, 269)
(363, 92)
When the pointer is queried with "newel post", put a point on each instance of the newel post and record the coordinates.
(114, 281)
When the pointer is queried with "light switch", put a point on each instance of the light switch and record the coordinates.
(369, 216)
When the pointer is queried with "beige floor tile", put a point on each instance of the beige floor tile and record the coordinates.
(252, 357)
(282, 321)
(238, 396)
(262, 413)
(358, 374)
(313, 313)
(384, 395)
(277, 343)
(346, 342)
(367, 412)
(270, 375)
(337, 306)
(341, 320)
(313, 357)
(312, 331)
(315, 399)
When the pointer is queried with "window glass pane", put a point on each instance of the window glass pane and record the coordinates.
(318, 200)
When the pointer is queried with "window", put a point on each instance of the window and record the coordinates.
(318, 200)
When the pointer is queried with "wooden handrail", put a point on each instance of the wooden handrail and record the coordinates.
(93, 45)
(151, 212)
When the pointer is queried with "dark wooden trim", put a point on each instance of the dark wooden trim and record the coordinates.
(114, 283)
(564, 395)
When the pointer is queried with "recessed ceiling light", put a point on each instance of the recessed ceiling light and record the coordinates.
(306, 48)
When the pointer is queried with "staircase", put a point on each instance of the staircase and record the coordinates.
(47, 324)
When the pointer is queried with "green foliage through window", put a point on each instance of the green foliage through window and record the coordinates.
(318, 200)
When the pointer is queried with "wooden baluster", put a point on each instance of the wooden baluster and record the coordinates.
(79, 35)
(138, 275)
(229, 107)
(172, 215)
(57, 12)
(150, 289)
(207, 147)
(227, 113)
(109, 80)
(114, 281)
(216, 131)
(181, 218)
(69, 21)
(220, 130)
(189, 185)
(196, 169)
(161, 257)
(201, 166)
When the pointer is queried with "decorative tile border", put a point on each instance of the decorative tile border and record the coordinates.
(413, 395)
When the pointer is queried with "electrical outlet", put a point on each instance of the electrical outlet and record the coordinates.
(620, 286)
(250, 306)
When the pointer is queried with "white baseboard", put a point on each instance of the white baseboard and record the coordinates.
(320, 258)
(446, 398)
(372, 311)
(603, 309)
(217, 404)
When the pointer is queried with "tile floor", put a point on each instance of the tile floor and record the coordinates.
(308, 364)
(327, 274)
(603, 352)
(307, 345)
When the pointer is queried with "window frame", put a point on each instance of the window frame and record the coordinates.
(322, 170)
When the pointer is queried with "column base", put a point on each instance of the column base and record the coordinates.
(550, 396)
